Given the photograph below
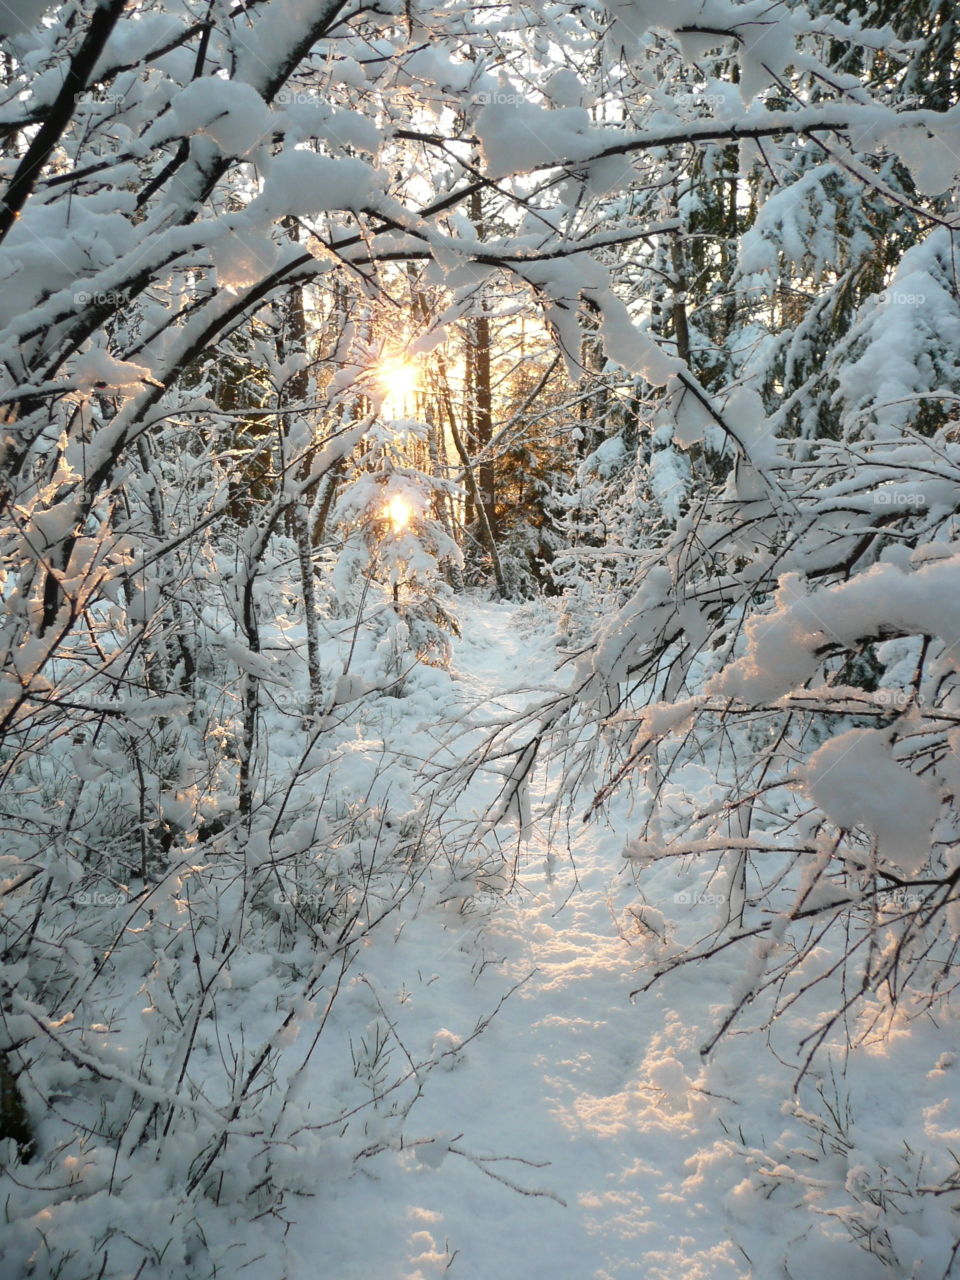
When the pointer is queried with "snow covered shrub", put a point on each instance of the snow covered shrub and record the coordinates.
(175, 904)
(841, 1173)
(198, 212)
(838, 781)
(394, 549)
(774, 609)
(140, 1000)
(774, 670)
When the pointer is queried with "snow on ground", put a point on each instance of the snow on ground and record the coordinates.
(569, 1075)
(579, 1135)
(476, 1094)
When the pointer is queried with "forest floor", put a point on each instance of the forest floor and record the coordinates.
(580, 1135)
(570, 1074)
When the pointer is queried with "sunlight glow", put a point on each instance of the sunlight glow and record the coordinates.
(398, 378)
(399, 512)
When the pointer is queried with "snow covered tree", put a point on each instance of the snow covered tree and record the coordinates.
(392, 539)
(782, 631)
(742, 220)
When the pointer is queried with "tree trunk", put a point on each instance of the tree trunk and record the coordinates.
(295, 340)
(480, 398)
(486, 533)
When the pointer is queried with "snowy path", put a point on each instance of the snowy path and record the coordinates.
(569, 1073)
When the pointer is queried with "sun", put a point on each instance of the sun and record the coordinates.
(398, 378)
(399, 512)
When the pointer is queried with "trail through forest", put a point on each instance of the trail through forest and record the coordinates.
(319, 324)
(569, 1074)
